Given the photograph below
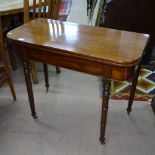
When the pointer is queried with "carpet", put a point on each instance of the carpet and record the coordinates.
(145, 89)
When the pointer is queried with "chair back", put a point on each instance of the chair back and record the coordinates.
(41, 9)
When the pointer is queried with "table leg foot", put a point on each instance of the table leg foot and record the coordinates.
(128, 111)
(34, 115)
(102, 141)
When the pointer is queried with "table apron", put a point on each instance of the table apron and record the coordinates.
(78, 63)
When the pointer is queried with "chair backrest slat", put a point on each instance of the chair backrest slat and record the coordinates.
(53, 11)
(45, 8)
(26, 8)
(41, 9)
(34, 9)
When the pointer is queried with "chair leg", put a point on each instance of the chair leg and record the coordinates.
(33, 72)
(58, 70)
(46, 76)
(7, 71)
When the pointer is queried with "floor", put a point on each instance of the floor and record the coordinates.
(69, 116)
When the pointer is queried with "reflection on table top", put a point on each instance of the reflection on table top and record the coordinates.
(114, 46)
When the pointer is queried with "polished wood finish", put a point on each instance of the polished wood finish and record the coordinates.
(109, 53)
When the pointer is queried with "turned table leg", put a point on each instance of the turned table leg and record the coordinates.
(26, 66)
(105, 100)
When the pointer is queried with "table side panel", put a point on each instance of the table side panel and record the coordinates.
(82, 64)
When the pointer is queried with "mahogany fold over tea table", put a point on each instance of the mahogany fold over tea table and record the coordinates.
(108, 53)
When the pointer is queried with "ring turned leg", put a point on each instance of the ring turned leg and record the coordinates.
(105, 100)
(26, 66)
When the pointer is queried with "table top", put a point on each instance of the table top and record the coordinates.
(108, 45)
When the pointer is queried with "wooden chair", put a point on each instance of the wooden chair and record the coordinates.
(5, 75)
(41, 9)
